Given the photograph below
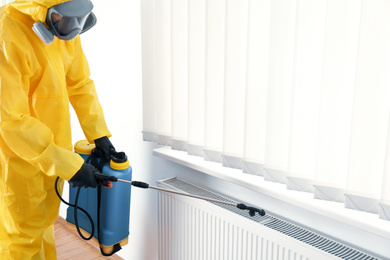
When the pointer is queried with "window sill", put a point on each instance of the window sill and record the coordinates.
(367, 222)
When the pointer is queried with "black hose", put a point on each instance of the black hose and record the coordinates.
(75, 211)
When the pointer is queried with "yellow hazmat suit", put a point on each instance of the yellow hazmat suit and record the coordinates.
(37, 81)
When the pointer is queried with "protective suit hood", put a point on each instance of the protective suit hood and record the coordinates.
(36, 9)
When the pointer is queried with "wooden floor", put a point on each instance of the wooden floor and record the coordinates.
(71, 246)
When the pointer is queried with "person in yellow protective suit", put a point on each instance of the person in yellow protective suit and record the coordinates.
(42, 69)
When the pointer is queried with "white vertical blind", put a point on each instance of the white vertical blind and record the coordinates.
(337, 93)
(214, 81)
(281, 60)
(149, 69)
(179, 70)
(256, 86)
(164, 72)
(196, 76)
(384, 205)
(297, 91)
(305, 96)
(234, 81)
(371, 107)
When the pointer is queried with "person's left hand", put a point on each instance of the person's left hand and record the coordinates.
(105, 147)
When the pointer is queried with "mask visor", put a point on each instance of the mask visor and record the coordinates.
(76, 18)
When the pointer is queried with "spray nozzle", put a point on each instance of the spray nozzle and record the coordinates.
(252, 210)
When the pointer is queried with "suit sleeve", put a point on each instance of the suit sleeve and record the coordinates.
(25, 136)
(83, 97)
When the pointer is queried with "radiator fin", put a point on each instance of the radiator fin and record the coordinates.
(195, 233)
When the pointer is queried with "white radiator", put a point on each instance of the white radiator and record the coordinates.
(191, 229)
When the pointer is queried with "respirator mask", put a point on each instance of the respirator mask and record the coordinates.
(66, 21)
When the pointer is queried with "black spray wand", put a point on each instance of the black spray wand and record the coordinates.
(143, 185)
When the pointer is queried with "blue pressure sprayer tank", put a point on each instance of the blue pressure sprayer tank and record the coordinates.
(114, 202)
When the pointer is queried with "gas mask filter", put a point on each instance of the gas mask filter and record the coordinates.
(66, 21)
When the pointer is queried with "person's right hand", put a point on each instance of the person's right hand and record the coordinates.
(85, 177)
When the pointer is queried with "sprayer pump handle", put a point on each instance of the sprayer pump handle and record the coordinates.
(105, 179)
